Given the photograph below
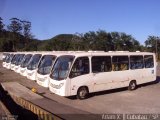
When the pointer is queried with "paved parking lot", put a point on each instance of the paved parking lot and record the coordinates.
(145, 99)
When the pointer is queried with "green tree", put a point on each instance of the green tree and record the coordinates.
(15, 27)
(1, 25)
(77, 42)
(116, 41)
(89, 40)
(26, 26)
(153, 44)
(103, 41)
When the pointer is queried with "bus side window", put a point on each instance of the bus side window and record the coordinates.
(101, 64)
(148, 61)
(80, 67)
(120, 63)
(136, 62)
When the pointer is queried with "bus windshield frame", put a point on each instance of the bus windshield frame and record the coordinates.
(33, 64)
(19, 60)
(9, 59)
(62, 67)
(15, 58)
(26, 60)
(6, 57)
(46, 63)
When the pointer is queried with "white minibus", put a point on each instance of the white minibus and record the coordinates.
(83, 73)
(24, 64)
(33, 65)
(45, 67)
(14, 60)
(18, 63)
(5, 57)
(8, 61)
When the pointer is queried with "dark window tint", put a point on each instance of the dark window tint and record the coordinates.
(34, 62)
(80, 67)
(148, 61)
(120, 63)
(26, 60)
(61, 67)
(20, 58)
(46, 64)
(15, 59)
(101, 64)
(6, 56)
(9, 59)
(136, 62)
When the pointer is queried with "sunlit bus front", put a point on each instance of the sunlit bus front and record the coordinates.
(18, 63)
(44, 70)
(59, 74)
(32, 66)
(24, 64)
(8, 61)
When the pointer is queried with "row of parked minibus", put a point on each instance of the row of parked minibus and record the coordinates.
(68, 73)
(38, 66)
(34, 65)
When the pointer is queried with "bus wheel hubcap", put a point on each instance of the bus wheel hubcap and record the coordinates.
(83, 93)
(133, 85)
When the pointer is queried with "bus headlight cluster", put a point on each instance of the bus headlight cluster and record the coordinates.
(57, 86)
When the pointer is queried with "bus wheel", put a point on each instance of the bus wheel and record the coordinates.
(82, 93)
(132, 85)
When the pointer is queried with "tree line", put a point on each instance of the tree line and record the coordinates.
(17, 36)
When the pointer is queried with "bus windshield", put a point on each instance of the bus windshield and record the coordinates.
(6, 57)
(61, 67)
(46, 64)
(15, 58)
(26, 60)
(33, 64)
(10, 58)
(20, 58)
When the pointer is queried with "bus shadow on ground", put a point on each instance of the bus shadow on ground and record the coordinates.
(15, 109)
(118, 89)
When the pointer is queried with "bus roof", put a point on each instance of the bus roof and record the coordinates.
(101, 53)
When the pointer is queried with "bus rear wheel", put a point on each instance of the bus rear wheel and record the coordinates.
(82, 93)
(132, 85)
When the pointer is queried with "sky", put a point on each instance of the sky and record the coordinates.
(139, 18)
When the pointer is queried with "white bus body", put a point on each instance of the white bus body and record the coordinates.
(87, 72)
(45, 67)
(23, 67)
(33, 66)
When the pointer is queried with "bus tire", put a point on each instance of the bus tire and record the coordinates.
(132, 85)
(82, 93)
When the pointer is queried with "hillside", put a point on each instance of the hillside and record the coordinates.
(99, 40)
